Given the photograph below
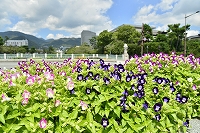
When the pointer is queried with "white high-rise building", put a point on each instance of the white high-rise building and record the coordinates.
(86, 35)
(16, 42)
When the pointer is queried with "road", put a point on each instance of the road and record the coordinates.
(12, 64)
(8, 64)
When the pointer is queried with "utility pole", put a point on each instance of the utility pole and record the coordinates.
(142, 43)
(186, 33)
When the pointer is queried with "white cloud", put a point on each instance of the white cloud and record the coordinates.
(69, 15)
(169, 12)
(28, 28)
(192, 32)
(165, 5)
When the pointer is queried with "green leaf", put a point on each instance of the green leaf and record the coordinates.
(117, 111)
(2, 119)
(125, 116)
(97, 108)
(13, 114)
(35, 107)
(74, 114)
(4, 110)
(16, 127)
(112, 104)
(107, 112)
(123, 122)
(89, 116)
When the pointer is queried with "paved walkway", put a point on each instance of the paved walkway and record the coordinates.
(11, 63)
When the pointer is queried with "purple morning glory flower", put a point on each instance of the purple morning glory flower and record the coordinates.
(172, 88)
(78, 69)
(186, 123)
(128, 78)
(159, 80)
(72, 91)
(88, 90)
(140, 94)
(104, 122)
(155, 90)
(106, 80)
(80, 77)
(184, 99)
(132, 87)
(86, 77)
(141, 81)
(120, 68)
(140, 87)
(166, 99)
(158, 117)
(133, 77)
(101, 61)
(125, 93)
(97, 76)
(157, 107)
(135, 94)
(105, 67)
(116, 75)
(90, 74)
(145, 105)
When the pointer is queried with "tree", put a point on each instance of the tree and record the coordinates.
(103, 39)
(147, 30)
(161, 37)
(32, 50)
(176, 34)
(93, 42)
(128, 34)
(51, 50)
(1, 41)
(83, 49)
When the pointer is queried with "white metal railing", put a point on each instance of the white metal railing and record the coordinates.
(60, 56)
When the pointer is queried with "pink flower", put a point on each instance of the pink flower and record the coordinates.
(26, 94)
(11, 83)
(69, 79)
(43, 123)
(30, 80)
(49, 76)
(4, 98)
(70, 85)
(25, 101)
(83, 105)
(49, 93)
(57, 103)
(63, 73)
(194, 87)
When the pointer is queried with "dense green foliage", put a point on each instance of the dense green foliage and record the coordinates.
(150, 94)
(83, 49)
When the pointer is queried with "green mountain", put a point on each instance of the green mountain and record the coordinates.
(40, 42)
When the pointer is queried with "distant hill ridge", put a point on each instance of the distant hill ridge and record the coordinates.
(40, 42)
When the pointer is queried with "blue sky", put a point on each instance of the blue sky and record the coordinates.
(67, 18)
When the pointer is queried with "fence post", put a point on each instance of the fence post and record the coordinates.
(4, 55)
(97, 55)
(72, 56)
(17, 55)
(116, 56)
(33, 55)
(21, 55)
(57, 55)
(106, 56)
(83, 55)
(45, 55)
(93, 55)
(60, 54)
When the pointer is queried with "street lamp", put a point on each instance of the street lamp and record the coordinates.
(185, 30)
